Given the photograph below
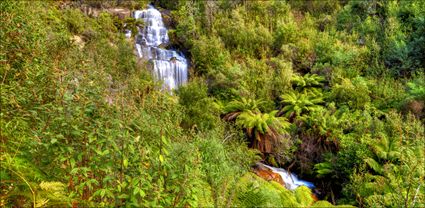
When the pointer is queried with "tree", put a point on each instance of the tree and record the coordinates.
(263, 129)
(234, 108)
(296, 104)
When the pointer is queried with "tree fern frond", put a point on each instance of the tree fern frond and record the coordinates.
(374, 165)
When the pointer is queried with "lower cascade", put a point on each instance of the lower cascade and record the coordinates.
(168, 66)
(291, 180)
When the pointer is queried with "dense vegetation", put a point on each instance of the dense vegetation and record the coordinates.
(333, 91)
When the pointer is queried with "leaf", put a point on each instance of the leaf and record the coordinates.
(125, 162)
(142, 193)
(105, 152)
(72, 161)
(41, 202)
(374, 165)
(74, 171)
(164, 140)
(136, 190)
(123, 196)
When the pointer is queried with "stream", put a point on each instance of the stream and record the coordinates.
(291, 180)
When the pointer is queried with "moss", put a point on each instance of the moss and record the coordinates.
(322, 204)
(255, 191)
(303, 195)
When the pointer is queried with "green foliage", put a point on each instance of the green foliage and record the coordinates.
(234, 108)
(308, 81)
(354, 93)
(296, 103)
(199, 109)
(303, 195)
(263, 129)
(323, 169)
(83, 124)
(416, 89)
(392, 171)
(256, 192)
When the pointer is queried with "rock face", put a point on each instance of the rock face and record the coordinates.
(95, 10)
(267, 174)
(121, 13)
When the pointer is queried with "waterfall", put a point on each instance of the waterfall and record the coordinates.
(169, 66)
(290, 179)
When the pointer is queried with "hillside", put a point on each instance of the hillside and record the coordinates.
(182, 112)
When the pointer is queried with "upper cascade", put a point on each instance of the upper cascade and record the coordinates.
(169, 66)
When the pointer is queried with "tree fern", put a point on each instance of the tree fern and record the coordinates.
(264, 129)
(372, 163)
(299, 103)
(308, 81)
(234, 108)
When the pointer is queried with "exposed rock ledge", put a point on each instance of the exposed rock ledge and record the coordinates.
(91, 11)
(267, 174)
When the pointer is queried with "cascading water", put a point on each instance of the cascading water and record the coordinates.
(169, 66)
(291, 180)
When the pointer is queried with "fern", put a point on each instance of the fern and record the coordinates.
(416, 89)
(308, 81)
(374, 165)
(304, 196)
(300, 103)
(323, 169)
(263, 129)
(234, 108)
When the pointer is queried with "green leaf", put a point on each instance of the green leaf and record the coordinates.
(123, 196)
(74, 171)
(125, 163)
(161, 158)
(142, 193)
(164, 140)
(136, 190)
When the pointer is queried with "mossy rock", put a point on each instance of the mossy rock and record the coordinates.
(304, 196)
(322, 204)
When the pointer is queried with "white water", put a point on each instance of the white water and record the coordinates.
(169, 66)
(291, 180)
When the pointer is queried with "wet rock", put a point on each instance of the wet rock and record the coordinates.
(267, 174)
